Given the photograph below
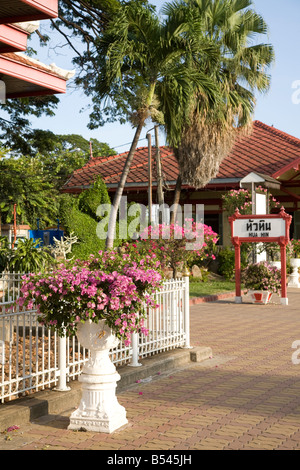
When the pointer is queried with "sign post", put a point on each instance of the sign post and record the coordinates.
(269, 228)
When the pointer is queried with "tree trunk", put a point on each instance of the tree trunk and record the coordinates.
(176, 199)
(120, 189)
(160, 193)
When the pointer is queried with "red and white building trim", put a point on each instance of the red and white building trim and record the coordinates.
(22, 75)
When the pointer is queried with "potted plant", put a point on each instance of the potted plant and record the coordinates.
(262, 281)
(101, 300)
(295, 263)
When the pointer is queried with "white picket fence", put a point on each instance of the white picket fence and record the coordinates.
(33, 358)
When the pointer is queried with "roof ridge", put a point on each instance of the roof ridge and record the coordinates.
(283, 135)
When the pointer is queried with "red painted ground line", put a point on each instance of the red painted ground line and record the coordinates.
(211, 298)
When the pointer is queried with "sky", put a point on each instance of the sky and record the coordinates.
(280, 107)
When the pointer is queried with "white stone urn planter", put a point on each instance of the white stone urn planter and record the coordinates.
(99, 409)
(260, 296)
(294, 277)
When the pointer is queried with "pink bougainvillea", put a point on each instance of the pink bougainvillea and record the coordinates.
(176, 245)
(110, 287)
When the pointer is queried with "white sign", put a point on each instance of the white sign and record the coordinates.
(260, 203)
(259, 228)
(2, 352)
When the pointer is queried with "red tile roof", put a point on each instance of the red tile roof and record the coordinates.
(266, 150)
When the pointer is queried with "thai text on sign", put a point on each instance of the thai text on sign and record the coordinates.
(259, 228)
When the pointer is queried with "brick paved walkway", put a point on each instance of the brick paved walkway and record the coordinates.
(246, 397)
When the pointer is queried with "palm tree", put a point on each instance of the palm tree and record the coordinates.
(143, 71)
(240, 71)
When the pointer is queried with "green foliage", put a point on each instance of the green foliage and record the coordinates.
(226, 260)
(22, 182)
(28, 257)
(295, 248)
(237, 199)
(90, 200)
(203, 277)
(143, 71)
(4, 253)
(17, 134)
(33, 183)
(241, 199)
(79, 215)
(226, 263)
(84, 227)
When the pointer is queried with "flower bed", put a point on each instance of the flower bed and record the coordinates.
(176, 247)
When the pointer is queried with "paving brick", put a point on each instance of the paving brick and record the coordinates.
(250, 401)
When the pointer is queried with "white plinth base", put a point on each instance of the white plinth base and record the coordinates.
(238, 300)
(284, 301)
(99, 409)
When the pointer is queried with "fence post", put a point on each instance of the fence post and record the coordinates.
(135, 351)
(186, 277)
(62, 365)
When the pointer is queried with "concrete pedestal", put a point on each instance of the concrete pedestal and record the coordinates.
(99, 409)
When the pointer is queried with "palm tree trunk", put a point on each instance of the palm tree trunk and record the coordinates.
(160, 193)
(116, 202)
(176, 199)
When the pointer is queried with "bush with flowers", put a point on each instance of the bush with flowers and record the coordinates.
(262, 276)
(241, 199)
(295, 248)
(112, 287)
(237, 199)
(176, 247)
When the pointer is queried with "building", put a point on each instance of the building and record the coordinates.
(20, 75)
(267, 151)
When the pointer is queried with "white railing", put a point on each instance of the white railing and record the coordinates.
(10, 286)
(34, 358)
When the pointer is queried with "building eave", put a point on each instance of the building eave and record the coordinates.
(25, 77)
(16, 11)
(12, 39)
(293, 165)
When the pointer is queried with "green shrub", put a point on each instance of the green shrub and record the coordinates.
(226, 260)
(4, 253)
(88, 201)
(78, 215)
(84, 227)
(28, 257)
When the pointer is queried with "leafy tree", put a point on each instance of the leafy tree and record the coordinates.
(68, 153)
(142, 75)
(240, 71)
(15, 124)
(23, 183)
